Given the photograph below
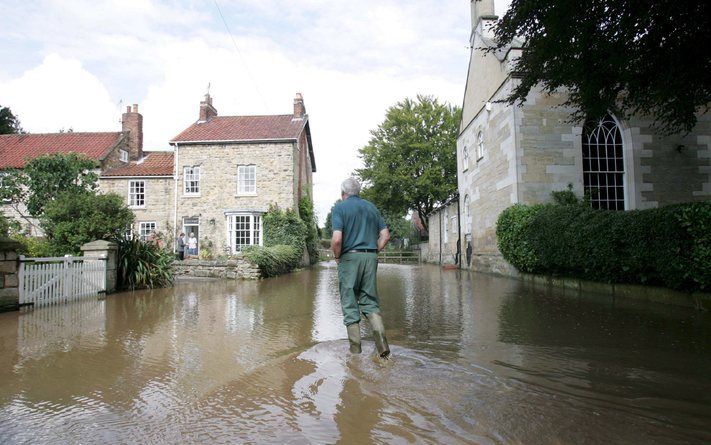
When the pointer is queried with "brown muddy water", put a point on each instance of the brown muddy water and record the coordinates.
(476, 359)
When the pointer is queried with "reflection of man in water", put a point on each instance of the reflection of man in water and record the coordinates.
(359, 233)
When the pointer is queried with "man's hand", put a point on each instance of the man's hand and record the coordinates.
(383, 238)
(336, 244)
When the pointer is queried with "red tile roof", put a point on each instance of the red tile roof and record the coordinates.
(17, 149)
(154, 163)
(243, 128)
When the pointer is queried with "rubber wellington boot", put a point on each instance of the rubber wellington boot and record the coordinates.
(381, 343)
(354, 337)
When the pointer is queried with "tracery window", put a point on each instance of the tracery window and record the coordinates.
(603, 164)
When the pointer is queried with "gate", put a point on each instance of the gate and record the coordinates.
(46, 281)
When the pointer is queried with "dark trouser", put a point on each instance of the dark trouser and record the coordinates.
(357, 279)
(181, 255)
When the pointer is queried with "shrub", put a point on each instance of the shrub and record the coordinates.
(274, 260)
(76, 218)
(143, 265)
(512, 230)
(306, 212)
(4, 226)
(670, 246)
(34, 247)
(283, 227)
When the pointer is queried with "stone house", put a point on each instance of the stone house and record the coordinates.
(230, 169)
(510, 154)
(443, 245)
(108, 149)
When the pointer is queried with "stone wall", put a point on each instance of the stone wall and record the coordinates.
(442, 221)
(9, 292)
(487, 185)
(236, 268)
(159, 200)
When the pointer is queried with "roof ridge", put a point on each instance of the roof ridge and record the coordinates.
(255, 115)
(63, 133)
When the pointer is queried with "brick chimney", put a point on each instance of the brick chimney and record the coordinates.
(132, 124)
(207, 111)
(299, 108)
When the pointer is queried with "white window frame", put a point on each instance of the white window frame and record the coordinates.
(2, 176)
(123, 155)
(479, 145)
(465, 157)
(133, 194)
(192, 178)
(256, 231)
(598, 166)
(145, 228)
(241, 191)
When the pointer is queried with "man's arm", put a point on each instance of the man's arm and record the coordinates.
(336, 244)
(383, 238)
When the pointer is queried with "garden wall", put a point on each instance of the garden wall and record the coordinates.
(233, 269)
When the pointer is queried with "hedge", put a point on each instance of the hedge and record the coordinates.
(284, 243)
(669, 246)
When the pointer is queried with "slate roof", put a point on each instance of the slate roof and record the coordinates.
(154, 163)
(243, 128)
(17, 149)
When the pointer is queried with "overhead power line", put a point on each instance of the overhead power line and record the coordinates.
(244, 62)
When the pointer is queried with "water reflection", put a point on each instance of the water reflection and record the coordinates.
(476, 359)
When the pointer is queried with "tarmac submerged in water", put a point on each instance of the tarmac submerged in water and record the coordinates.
(475, 359)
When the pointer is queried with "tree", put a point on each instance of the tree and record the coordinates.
(9, 123)
(74, 218)
(45, 177)
(410, 162)
(622, 56)
(328, 228)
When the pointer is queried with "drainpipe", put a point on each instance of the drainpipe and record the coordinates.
(175, 198)
(458, 257)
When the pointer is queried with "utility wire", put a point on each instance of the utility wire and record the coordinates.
(244, 62)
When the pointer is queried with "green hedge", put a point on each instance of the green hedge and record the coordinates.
(284, 243)
(669, 246)
(275, 260)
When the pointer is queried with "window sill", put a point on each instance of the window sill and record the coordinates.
(245, 194)
(191, 195)
(137, 207)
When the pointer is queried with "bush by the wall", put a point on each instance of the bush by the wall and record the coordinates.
(284, 243)
(670, 246)
(34, 247)
(274, 260)
(143, 265)
(306, 212)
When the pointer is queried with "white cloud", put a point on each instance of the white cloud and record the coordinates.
(60, 93)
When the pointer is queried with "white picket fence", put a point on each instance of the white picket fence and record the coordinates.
(47, 281)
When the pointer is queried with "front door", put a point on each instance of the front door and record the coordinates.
(192, 225)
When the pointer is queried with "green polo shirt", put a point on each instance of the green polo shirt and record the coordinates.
(359, 221)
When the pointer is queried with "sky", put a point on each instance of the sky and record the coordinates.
(77, 64)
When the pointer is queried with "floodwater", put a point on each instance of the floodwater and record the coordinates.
(476, 359)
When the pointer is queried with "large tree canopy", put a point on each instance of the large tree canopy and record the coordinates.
(9, 123)
(650, 57)
(45, 177)
(410, 162)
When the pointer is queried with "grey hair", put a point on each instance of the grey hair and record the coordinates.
(350, 187)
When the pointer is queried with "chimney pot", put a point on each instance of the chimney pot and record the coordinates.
(132, 125)
(207, 110)
(128, 109)
(299, 108)
(135, 108)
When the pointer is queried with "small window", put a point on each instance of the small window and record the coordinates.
(446, 226)
(247, 180)
(479, 146)
(146, 229)
(124, 155)
(136, 193)
(465, 158)
(191, 180)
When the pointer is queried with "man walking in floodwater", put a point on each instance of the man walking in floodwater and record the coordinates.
(359, 233)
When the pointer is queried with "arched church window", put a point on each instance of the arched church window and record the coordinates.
(603, 165)
(467, 216)
(479, 145)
